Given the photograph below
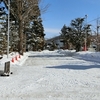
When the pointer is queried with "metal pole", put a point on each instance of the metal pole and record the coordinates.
(86, 35)
(8, 28)
(97, 34)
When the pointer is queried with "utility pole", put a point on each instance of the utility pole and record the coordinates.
(85, 35)
(97, 39)
(8, 28)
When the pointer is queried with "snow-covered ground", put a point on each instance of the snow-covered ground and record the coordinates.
(52, 75)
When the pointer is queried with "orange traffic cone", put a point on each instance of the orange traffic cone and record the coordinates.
(12, 60)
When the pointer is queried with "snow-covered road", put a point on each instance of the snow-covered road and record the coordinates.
(52, 76)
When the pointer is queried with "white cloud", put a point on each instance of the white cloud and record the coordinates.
(51, 30)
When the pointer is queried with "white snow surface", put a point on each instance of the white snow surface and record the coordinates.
(52, 75)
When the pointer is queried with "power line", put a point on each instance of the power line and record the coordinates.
(93, 19)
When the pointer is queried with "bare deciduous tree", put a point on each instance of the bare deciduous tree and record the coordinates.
(24, 12)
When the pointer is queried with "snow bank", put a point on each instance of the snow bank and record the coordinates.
(17, 59)
(87, 55)
(67, 52)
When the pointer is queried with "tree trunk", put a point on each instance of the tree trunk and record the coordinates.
(20, 44)
(78, 47)
(20, 38)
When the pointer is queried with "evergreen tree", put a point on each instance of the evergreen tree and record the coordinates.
(3, 30)
(23, 10)
(36, 36)
(22, 13)
(76, 33)
(65, 35)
